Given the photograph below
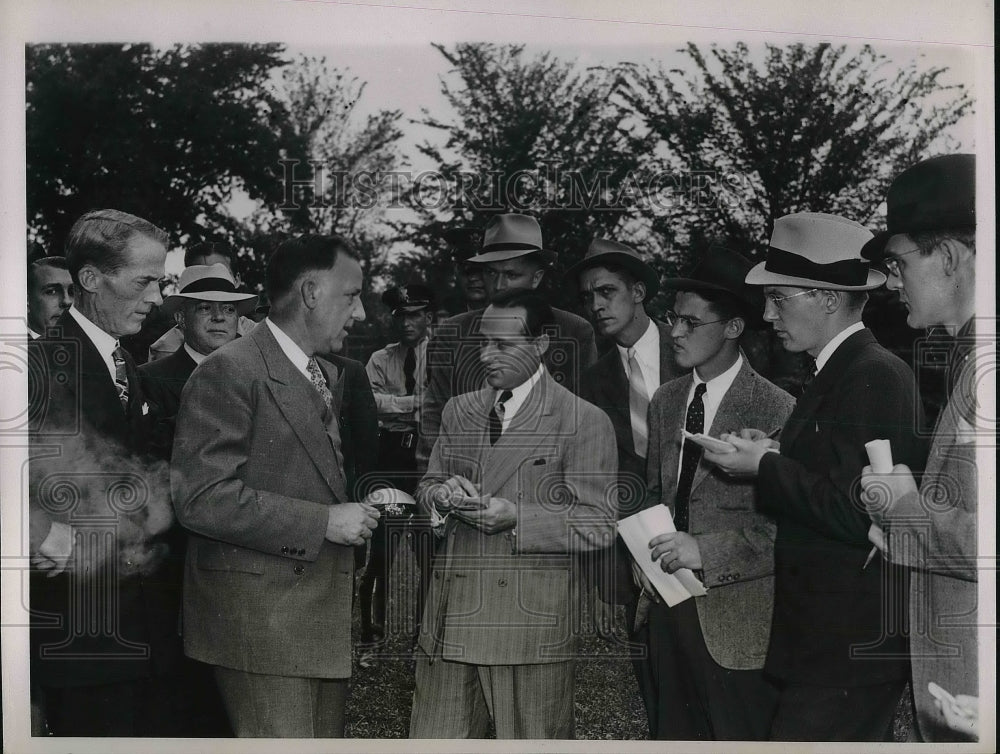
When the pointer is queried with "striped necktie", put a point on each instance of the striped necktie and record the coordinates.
(638, 405)
(121, 376)
(319, 382)
(496, 416)
(690, 455)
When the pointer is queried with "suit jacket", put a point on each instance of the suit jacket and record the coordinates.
(735, 539)
(933, 532)
(453, 365)
(253, 475)
(606, 386)
(506, 599)
(163, 381)
(87, 450)
(358, 414)
(835, 622)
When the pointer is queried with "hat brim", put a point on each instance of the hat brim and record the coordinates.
(874, 250)
(547, 256)
(245, 302)
(637, 267)
(411, 309)
(760, 276)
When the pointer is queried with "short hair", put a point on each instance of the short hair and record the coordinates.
(208, 249)
(723, 304)
(538, 313)
(928, 240)
(100, 237)
(57, 262)
(855, 300)
(621, 270)
(296, 256)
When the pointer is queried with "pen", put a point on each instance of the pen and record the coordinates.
(773, 433)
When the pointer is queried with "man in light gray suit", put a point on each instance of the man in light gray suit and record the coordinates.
(257, 477)
(706, 653)
(524, 475)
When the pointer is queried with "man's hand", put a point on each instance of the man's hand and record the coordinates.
(877, 537)
(674, 550)
(644, 583)
(351, 523)
(881, 491)
(447, 495)
(745, 460)
(55, 552)
(603, 616)
(497, 514)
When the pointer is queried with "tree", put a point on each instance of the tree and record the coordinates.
(168, 135)
(526, 134)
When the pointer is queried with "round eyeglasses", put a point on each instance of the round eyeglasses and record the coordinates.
(779, 301)
(891, 264)
(688, 324)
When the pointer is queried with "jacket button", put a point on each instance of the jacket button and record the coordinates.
(501, 582)
(299, 570)
(302, 551)
(284, 550)
(735, 576)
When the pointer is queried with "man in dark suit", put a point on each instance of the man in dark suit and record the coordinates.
(103, 644)
(614, 284)
(706, 653)
(837, 642)
(523, 477)
(206, 308)
(257, 476)
(929, 251)
(514, 259)
(50, 293)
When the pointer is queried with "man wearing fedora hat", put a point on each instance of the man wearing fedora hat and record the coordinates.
(614, 284)
(837, 644)
(206, 308)
(929, 251)
(514, 258)
(706, 654)
(464, 243)
(397, 374)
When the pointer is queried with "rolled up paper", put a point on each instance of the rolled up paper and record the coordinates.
(880, 455)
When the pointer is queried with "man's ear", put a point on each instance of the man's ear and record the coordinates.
(309, 291)
(639, 292)
(954, 254)
(179, 318)
(88, 278)
(536, 278)
(834, 300)
(734, 328)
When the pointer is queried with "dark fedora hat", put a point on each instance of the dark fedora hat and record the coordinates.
(936, 194)
(414, 297)
(510, 236)
(464, 242)
(724, 270)
(603, 252)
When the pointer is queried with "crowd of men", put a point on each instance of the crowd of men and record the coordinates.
(197, 523)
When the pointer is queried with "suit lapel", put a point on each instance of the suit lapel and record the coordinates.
(730, 415)
(301, 406)
(673, 436)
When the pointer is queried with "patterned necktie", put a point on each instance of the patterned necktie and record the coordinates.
(409, 370)
(496, 416)
(638, 404)
(121, 376)
(690, 455)
(319, 382)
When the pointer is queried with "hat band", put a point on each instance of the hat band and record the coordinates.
(510, 247)
(845, 272)
(209, 284)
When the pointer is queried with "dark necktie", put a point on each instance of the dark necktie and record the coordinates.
(409, 370)
(319, 382)
(496, 416)
(121, 376)
(690, 455)
(638, 405)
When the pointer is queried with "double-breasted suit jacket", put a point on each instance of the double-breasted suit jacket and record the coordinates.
(735, 539)
(453, 365)
(163, 382)
(253, 475)
(837, 623)
(512, 598)
(606, 386)
(934, 532)
(84, 444)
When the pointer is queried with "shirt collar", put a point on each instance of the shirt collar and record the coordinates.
(196, 357)
(33, 335)
(290, 348)
(104, 343)
(720, 384)
(644, 348)
(519, 394)
(825, 354)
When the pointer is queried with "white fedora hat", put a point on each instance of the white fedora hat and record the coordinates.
(513, 235)
(209, 282)
(817, 250)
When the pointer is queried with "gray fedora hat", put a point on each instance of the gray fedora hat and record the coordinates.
(604, 252)
(510, 236)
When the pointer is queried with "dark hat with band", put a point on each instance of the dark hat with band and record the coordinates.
(721, 269)
(604, 252)
(414, 297)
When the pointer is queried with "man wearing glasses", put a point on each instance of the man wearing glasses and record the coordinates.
(929, 251)
(706, 654)
(837, 644)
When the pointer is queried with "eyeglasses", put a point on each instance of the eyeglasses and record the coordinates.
(779, 301)
(892, 263)
(688, 324)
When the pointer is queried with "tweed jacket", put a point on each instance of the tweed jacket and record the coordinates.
(512, 598)
(835, 622)
(453, 365)
(735, 539)
(253, 475)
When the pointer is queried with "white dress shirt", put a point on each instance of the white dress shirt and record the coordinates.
(196, 357)
(647, 353)
(291, 349)
(825, 354)
(517, 397)
(104, 343)
(715, 390)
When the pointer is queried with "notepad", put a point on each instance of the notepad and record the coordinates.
(636, 531)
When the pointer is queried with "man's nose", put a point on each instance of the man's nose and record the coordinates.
(157, 298)
(359, 311)
(771, 313)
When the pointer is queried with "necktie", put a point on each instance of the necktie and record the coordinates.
(690, 455)
(121, 376)
(319, 382)
(638, 404)
(496, 416)
(409, 370)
